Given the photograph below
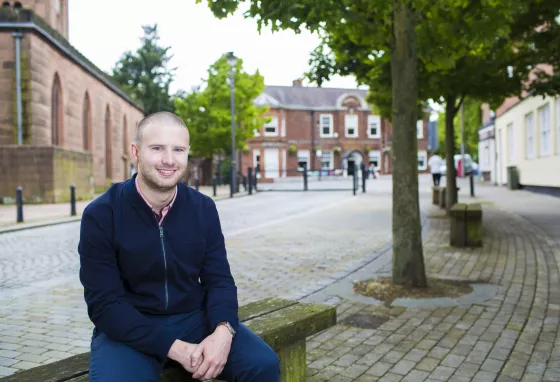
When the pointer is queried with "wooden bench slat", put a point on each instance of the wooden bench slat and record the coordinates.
(280, 323)
(83, 378)
(73, 367)
(297, 322)
(260, 308)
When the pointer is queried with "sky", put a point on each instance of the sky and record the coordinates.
(103, 30)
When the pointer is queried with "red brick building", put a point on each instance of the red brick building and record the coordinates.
(76, 124)
(324, 128)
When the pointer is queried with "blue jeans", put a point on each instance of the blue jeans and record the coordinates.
(250, 358)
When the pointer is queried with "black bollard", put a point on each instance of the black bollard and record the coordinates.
(354, 180)
(214, 181)
(196, 183)
(19, 204)
(250, 177)
(471, 180)
(305, 177)
(364, 178)
(244, 183)
(72, 200)
(230, 182)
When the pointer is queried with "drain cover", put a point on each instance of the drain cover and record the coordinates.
(365, 321)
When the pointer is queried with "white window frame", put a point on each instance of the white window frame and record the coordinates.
(511, 142)
(321, 125)
(371, 120)
(303, 156)
(283, 127)
(530, 135)
(545, 130)
(331, 160)
(273, 123)
(375, 155)
(424, 154)
(356, 127)
(420, 128)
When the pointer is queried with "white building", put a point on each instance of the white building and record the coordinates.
(528, 137)
(487, 151)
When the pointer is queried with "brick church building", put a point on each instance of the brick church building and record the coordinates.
(62, 120)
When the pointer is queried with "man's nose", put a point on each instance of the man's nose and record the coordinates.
(167, 157)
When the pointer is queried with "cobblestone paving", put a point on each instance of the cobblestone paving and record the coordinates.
(512, 337)
(296, 247)
(279, 245)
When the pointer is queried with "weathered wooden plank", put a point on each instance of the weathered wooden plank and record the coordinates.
(262, 307)
(63, 370)
(82, 378)
(287, 326)
(280, 323)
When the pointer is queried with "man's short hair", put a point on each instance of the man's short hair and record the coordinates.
(159, 117)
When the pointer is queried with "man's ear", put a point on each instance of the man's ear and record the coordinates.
(135, 152)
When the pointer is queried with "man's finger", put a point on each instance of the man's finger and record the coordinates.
(201, 370)
(218, 371)
(196, 355)
(209, 373)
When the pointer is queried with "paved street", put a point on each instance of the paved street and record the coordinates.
(280, 244)
(312, 246)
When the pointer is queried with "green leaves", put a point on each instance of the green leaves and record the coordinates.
(207, 113)
(145, 75)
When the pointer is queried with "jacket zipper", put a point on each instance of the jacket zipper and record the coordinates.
(165, 265)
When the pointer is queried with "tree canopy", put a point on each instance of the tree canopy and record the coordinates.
(206, 110)
(145, 75)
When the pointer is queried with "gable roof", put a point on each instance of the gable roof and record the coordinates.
(308, 98)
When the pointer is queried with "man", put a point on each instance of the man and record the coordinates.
(156, 277)
(435, 164)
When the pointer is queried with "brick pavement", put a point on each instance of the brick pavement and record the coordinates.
(277, 244)
(511, 337)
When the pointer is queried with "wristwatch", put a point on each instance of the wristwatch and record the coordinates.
(229, 327)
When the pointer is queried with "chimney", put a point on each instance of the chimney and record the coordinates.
(297, 83)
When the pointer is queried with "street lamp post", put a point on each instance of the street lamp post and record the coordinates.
(232, 60)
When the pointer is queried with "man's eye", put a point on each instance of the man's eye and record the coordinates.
(156, 148)
(180, 150)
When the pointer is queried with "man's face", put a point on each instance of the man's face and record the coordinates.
(163, 155)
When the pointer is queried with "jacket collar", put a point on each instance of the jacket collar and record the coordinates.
(182, 198)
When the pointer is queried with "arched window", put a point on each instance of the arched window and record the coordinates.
(86, 123)
(56, 112)
(108, 145)
(125, 148)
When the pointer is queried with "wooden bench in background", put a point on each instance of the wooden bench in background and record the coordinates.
(283, 324)
(466, 225)
(435, 195)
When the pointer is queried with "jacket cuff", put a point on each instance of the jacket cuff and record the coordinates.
(166, 338)
(216, 317)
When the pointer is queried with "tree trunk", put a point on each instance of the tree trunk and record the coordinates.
(408, 258)
(451, 173)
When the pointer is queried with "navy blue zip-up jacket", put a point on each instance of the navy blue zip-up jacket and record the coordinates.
(130, 266)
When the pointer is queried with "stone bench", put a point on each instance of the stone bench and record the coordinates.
(466, 225)
(283, 324)
(441, 195)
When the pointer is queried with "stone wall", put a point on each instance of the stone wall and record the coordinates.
(46, 62)
(45, 173)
